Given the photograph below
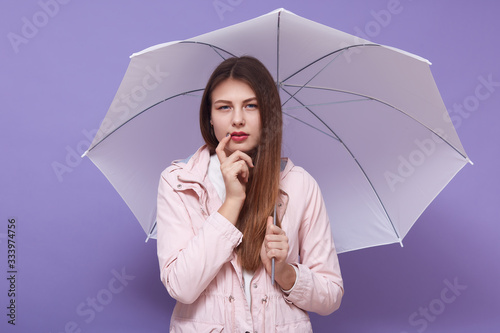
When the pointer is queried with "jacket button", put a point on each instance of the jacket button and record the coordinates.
(179, 186)
(255, 285)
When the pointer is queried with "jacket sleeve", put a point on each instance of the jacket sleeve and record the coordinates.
(319, 286)
(190, 254)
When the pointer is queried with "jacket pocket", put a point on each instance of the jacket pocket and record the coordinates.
(290, 318)
(298, 327)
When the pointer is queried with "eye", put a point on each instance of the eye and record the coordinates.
(224, 107)
(252, 106)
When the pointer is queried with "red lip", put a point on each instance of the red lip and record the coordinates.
(239, 136)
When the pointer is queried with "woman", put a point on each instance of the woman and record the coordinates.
(216, 237)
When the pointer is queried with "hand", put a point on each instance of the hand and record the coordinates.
(275, 246)
(235, 170)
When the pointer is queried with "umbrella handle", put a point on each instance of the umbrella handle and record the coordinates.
(272, 260)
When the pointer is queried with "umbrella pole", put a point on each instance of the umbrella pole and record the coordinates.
(272, 260)
(277, 83)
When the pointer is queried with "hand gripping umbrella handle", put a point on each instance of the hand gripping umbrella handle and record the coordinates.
(272, 260)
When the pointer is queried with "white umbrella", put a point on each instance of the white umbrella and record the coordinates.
(366, 120)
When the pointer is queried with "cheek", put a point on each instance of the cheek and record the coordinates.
(218, 133)
(219, 129)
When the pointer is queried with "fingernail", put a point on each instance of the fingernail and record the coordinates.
(228, 134)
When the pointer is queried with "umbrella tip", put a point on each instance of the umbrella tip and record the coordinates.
(468, 160)
(401, 242)
(84, 154)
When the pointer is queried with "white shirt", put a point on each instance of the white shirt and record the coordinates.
(215, 176)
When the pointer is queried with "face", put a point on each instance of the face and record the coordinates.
(235, 111)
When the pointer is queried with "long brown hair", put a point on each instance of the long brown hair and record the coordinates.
(262, 190)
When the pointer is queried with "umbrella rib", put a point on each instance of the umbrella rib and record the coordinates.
(146, 109)
(314, 114)
(307, 124)
(330, 103)
(150, 234)
(312, 78)
(325, 56)
(357, 162)
(385, 103)
(215, 48)
(278, 50)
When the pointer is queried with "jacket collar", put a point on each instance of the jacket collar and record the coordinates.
(286, 166)
(195, 167)
(197, 164)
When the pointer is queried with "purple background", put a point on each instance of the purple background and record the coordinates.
(74, 232)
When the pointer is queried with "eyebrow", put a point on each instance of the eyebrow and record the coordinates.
(229, 102)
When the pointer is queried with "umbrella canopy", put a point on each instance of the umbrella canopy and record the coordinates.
(366, 120)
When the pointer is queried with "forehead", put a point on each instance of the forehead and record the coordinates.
(230, 89)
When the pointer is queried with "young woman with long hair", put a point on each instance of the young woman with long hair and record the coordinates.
(216, 237)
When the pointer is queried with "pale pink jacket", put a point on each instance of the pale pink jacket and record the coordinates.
(199, 267)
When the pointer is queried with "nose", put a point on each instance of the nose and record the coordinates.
(238, 117)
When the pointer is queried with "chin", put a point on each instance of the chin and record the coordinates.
(252, 150)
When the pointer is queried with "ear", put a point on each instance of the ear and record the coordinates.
(211, 122)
